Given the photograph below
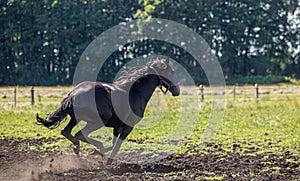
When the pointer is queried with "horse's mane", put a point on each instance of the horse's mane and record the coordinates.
(128, 77)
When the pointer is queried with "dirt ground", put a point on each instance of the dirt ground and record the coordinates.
(19, 161)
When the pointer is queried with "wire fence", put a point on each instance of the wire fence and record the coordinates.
(46, 95)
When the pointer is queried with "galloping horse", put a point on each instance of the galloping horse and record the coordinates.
(119, 105)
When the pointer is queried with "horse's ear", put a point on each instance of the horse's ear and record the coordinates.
(167, 61)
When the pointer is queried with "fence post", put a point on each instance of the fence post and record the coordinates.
(15, 96)
(201, 93)
(32, 95)
(256, 91)
(39, 97)
(234, 93)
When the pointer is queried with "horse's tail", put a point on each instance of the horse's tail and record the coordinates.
(54, 120)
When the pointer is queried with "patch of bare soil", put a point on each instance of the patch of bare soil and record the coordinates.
(25, 159)
(19, 162)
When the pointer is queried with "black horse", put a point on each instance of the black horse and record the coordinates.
(119, 105)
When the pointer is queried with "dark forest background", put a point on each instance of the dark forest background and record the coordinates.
(42, 41)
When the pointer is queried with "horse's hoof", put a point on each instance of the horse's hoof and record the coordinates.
(76, 149)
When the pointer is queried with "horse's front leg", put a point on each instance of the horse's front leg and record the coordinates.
(123, 133)
(66, 132)
(116, 132)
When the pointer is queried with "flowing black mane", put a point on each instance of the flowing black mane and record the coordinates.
(129, 77)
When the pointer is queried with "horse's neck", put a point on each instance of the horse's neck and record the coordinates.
(142, 90)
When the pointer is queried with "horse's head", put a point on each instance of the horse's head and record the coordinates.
(166, 74)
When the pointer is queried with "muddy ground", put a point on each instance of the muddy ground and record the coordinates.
(19, 161)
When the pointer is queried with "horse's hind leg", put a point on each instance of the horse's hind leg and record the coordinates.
(66, 132)
(82, 135)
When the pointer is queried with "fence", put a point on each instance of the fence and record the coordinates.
(244, 93)
(33, 95)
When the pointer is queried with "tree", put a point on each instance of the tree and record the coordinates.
(249, 37)
(42, 41)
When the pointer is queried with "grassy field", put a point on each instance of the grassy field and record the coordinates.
(222, 125)
(270, 125)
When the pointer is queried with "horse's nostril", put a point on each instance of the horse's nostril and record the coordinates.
(175, 93)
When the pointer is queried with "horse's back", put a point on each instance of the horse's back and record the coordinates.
(92, 102)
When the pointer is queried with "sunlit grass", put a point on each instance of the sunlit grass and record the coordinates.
(262, 126)
(269, 124)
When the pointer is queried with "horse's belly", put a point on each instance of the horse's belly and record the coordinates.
(114, 121)
(86, 114)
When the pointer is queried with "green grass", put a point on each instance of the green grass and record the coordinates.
(265, 126)
(182, 125)
(20, 121)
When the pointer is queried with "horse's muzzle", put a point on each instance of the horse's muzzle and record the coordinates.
(175, 90)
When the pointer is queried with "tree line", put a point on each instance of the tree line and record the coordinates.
(42, 41)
